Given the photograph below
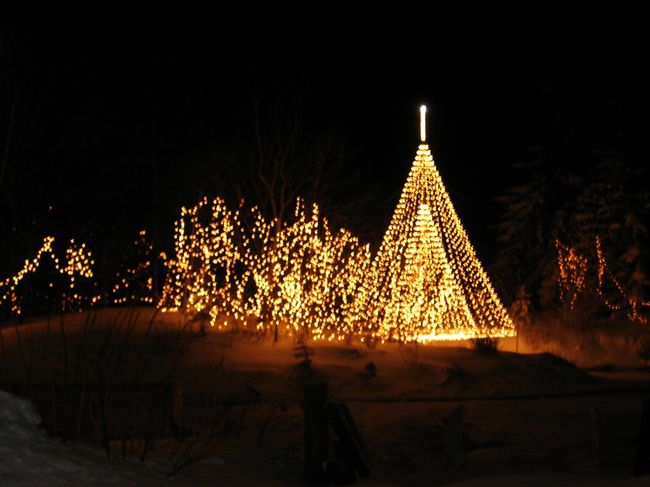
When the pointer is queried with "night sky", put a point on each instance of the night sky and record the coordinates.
(117, 121)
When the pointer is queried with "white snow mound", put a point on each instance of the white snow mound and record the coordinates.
(18, 418)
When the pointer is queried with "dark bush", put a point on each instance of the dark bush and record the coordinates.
(370, 370)
(486, 345)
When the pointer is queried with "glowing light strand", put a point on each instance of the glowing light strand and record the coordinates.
(572, 281)
(572, 272)
(633, 305)
(134, 282)
(298, 276)
(426, 282)
(77, 264)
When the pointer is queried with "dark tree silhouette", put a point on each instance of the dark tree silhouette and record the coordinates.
(587, 180)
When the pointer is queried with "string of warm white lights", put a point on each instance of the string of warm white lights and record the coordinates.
(572, 281)
(134, 282)
(572, 273)
(632, 304)
(299, 275)
(426, 282)
(77, 264)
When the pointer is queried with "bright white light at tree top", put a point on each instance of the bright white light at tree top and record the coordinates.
(423, 123)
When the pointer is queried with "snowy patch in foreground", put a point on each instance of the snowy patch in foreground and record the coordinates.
(18, 418)
(28, 457)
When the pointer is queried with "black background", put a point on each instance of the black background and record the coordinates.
(113, 114)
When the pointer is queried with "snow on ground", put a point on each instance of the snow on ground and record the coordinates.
(29, 458)
(527, 417)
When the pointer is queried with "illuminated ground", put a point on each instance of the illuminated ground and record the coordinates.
(523, 414)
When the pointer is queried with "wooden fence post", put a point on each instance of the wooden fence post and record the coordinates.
(350, 452)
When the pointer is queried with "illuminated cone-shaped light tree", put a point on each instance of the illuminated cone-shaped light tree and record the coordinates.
(426, 282)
